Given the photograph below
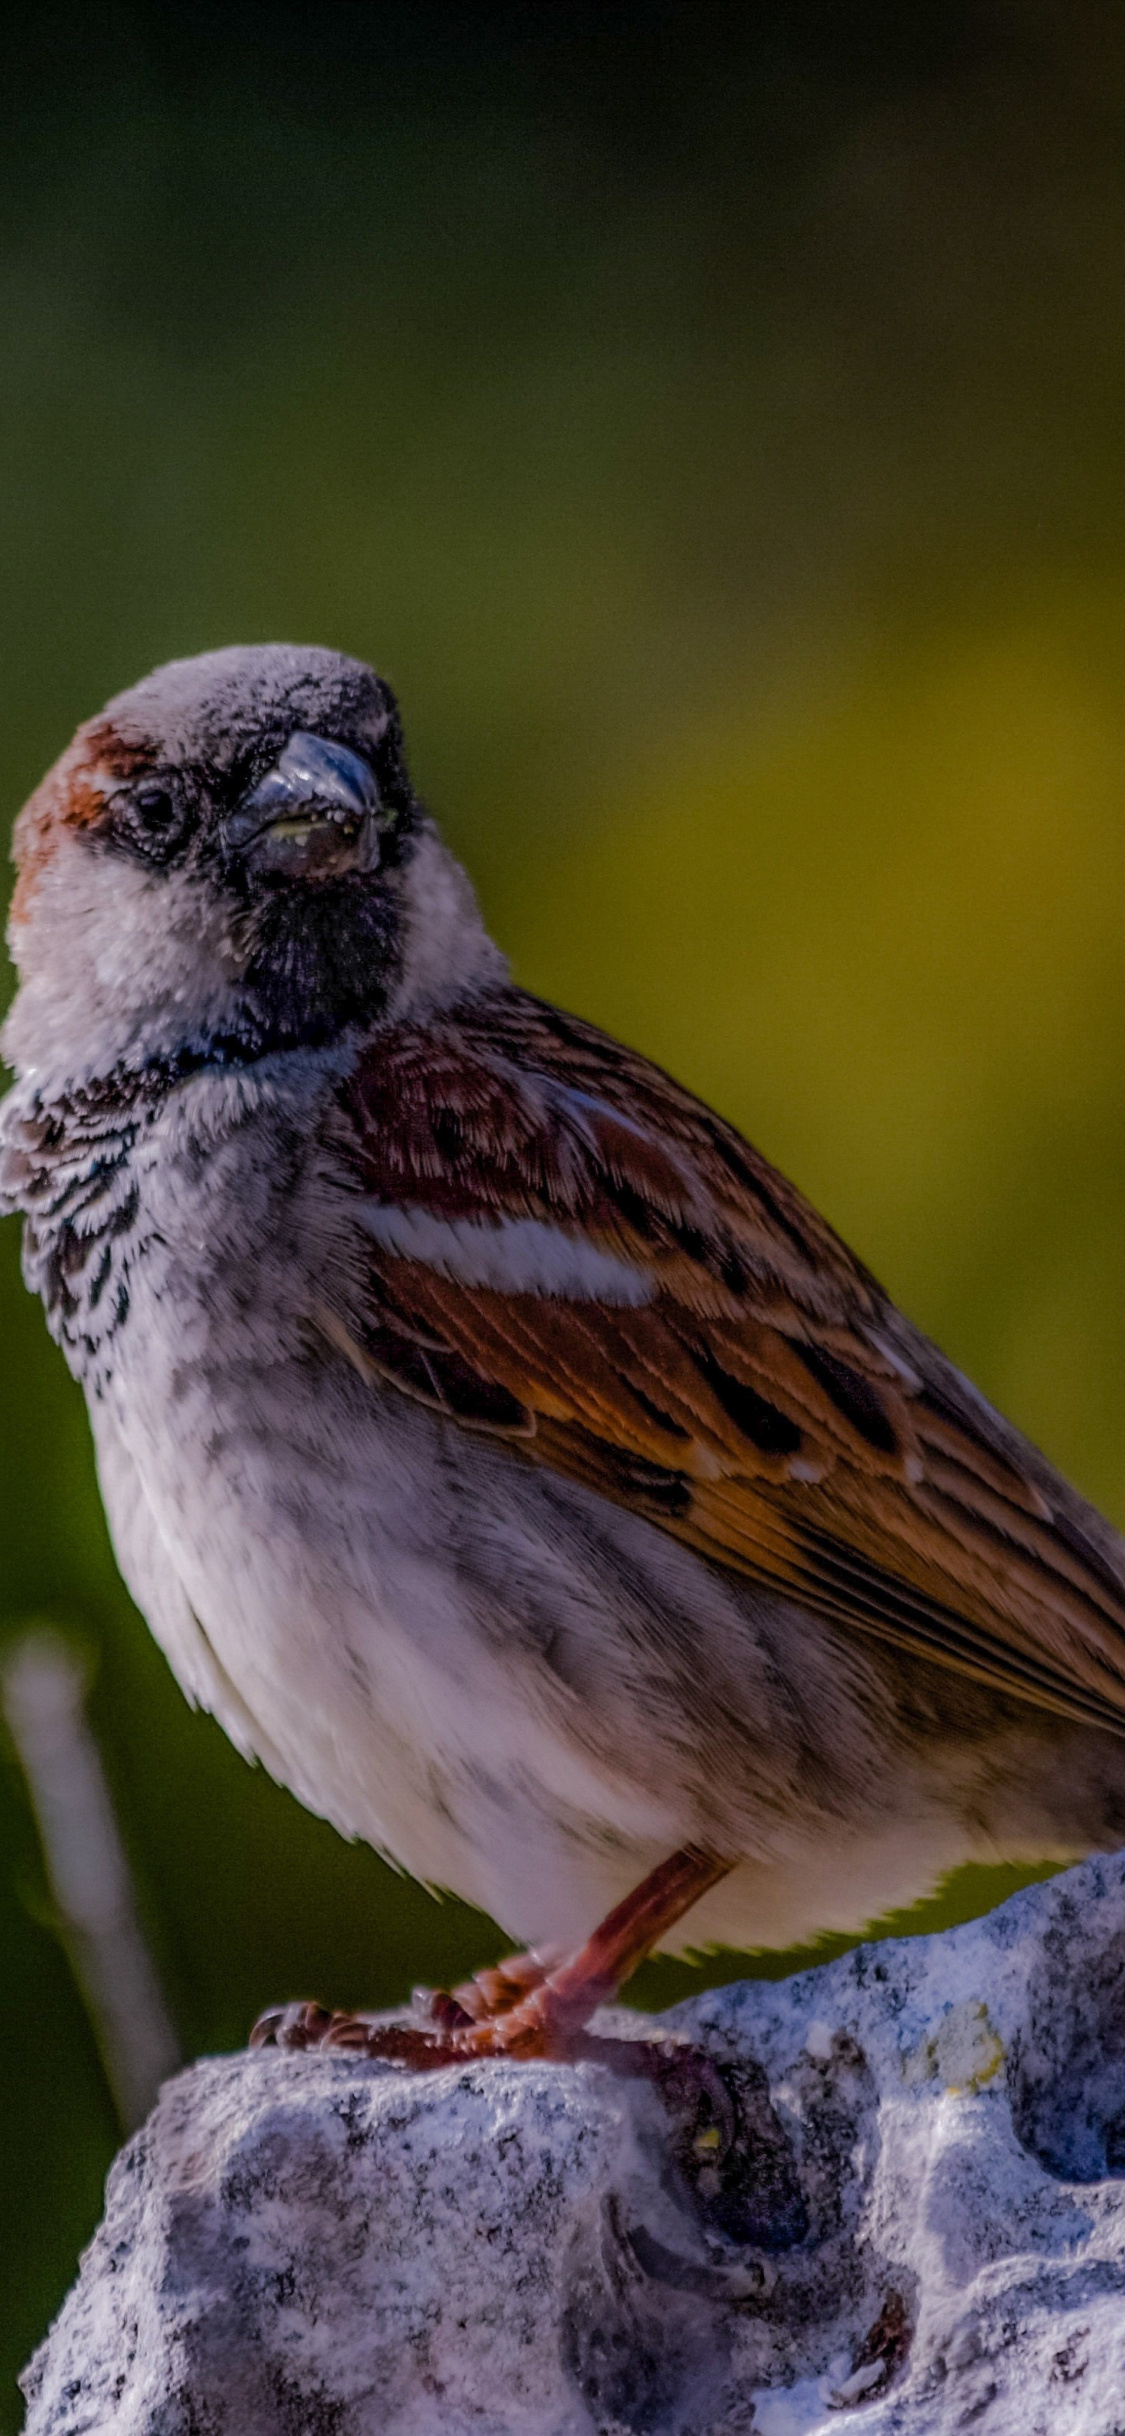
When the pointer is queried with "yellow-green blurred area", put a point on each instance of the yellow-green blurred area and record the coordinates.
(713, 421)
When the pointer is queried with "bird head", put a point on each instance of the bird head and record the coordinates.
(230, 858)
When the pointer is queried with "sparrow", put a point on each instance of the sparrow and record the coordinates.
(504, 1452)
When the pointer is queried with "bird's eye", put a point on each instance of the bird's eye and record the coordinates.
(153, 818)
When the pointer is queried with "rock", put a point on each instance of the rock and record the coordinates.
(905, 2214)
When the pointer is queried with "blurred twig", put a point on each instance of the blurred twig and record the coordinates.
(43, 1689)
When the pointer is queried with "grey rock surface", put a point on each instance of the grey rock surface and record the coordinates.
(911, 2220)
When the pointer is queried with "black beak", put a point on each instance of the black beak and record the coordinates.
(315, 812)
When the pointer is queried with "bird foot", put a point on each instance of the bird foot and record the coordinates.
(530, 2004)
(510, 2010)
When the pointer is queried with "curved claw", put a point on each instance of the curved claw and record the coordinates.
(440, 2010)
(293, 2027)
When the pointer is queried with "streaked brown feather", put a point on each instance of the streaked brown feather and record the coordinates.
(768, 1405)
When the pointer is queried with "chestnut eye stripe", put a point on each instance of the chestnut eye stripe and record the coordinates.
(311, 775)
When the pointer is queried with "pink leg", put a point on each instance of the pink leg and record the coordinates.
(552, 2018)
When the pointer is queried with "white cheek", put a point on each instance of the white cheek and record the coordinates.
(114, 961)
(446, 949)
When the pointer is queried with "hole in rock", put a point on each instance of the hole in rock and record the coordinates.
(1067, 2070)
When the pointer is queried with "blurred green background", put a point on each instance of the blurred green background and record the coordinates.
(713, 421)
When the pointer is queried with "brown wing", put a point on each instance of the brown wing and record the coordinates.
(568, 1249)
